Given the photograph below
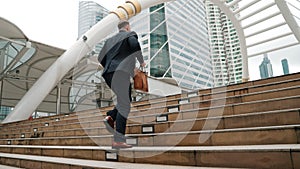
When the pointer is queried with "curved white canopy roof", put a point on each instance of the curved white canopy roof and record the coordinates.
(26, 66)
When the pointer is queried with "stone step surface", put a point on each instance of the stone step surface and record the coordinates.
(240, 108)
(63, 120)
(284, 156)
(94, 128)
(38, 162)
(286, 134)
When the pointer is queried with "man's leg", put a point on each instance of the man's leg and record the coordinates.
(121, 87)
(112, 114)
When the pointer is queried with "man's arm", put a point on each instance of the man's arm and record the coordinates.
(136, 48)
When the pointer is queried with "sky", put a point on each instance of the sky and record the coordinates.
(52, 22)
(55, 22)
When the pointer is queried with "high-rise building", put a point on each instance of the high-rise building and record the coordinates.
(89, 14)
(265, 68)
(225, 46)
(175, 42)
(285, 66)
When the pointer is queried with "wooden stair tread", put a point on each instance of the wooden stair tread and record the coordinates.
(294, 126)
(268, 147)
(99, 164)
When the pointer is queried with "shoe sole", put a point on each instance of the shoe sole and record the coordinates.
(108, 127)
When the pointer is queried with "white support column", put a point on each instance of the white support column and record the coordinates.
(58, 99)
(1, 91)
(290, 20)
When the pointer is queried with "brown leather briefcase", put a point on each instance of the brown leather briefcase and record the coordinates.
(140, 80)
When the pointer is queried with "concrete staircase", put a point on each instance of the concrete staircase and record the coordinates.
(249, 125)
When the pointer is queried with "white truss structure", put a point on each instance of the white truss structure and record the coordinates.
(263, 26)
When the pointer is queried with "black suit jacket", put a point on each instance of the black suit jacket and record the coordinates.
(120, 53)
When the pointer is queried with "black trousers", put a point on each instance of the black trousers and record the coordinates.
(119, 82)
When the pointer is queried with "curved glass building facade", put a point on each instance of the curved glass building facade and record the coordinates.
(174, 38)
(225, 46)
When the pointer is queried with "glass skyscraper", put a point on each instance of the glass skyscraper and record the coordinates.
(89, 14)
(159, 48)
(285, 66)
(265, 68)
(175, 42)
(225, 46)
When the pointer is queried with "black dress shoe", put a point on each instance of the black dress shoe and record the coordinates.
(109, 124)
(118, 145)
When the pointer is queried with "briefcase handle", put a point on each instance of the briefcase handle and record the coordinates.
(143, 69)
